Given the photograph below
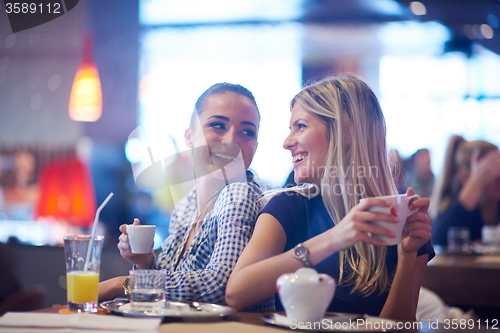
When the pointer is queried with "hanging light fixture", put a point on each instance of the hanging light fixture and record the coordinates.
(85, 102)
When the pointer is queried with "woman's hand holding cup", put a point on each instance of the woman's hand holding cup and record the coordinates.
(401, 207)
(356, 226)
(418, 229)
(141, 260)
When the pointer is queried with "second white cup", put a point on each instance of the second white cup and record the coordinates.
(141, 237)
(400, 207)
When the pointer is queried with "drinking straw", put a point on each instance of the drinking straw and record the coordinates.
(93, 230)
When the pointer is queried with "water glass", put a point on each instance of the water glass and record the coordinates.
(82, 283)
(147, 290)
(458, 240)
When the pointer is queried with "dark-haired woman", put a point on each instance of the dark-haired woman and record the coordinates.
(209, 227)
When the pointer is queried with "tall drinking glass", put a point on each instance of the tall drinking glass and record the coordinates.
(82, 282)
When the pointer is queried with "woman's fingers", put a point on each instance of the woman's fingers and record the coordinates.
(422, 204)
(373, 229)
(369, 216)
(474, 158)
(420, 215)
(354, 232)
(356, 227)
(123, 244)
(123, 241)
(123, 228)
(367, 203)
(364, 237)
(123, 238)
(418, 225)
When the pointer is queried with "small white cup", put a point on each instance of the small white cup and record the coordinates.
(141, 237)
(400, 207)
(305, 294)
(490, 234)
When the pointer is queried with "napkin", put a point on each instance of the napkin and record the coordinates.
(75, 323)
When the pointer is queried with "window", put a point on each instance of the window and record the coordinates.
(428, 95)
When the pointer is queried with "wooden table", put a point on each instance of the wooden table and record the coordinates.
(251, 322)
(465, 280)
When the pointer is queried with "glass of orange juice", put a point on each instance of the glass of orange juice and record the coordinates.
(82, 276)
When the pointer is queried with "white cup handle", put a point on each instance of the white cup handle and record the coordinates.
(410, 200)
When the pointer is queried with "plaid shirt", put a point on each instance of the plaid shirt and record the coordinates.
(202, 272)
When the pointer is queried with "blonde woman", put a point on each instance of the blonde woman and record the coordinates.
(468, 192)
(337, 142)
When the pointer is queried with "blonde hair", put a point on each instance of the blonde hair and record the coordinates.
(457, 158)
(356, 133)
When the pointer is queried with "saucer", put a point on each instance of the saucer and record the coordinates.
(100, 311)
(172, 309)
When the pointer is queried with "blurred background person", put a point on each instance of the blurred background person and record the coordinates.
(19, 188)
(419, 174)
(468, 190)
(398, 173)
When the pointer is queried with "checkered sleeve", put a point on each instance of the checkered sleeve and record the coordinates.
(230, 226)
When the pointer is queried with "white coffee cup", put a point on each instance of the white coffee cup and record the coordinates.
(400, 207)
(141, 237)
(305, 294)
(490, 234)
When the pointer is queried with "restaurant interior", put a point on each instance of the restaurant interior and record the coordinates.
(434, 64)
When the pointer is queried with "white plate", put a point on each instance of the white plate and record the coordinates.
(172, 309)
(335, 322)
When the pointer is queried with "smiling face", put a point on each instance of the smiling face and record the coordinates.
(308, 143)
(225, 135)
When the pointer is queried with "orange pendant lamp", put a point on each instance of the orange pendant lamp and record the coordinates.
(85, 101)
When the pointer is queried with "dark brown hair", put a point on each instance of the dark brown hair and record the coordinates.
(220, 88)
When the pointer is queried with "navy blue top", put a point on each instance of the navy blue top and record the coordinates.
(457, 216)
(304, 218)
